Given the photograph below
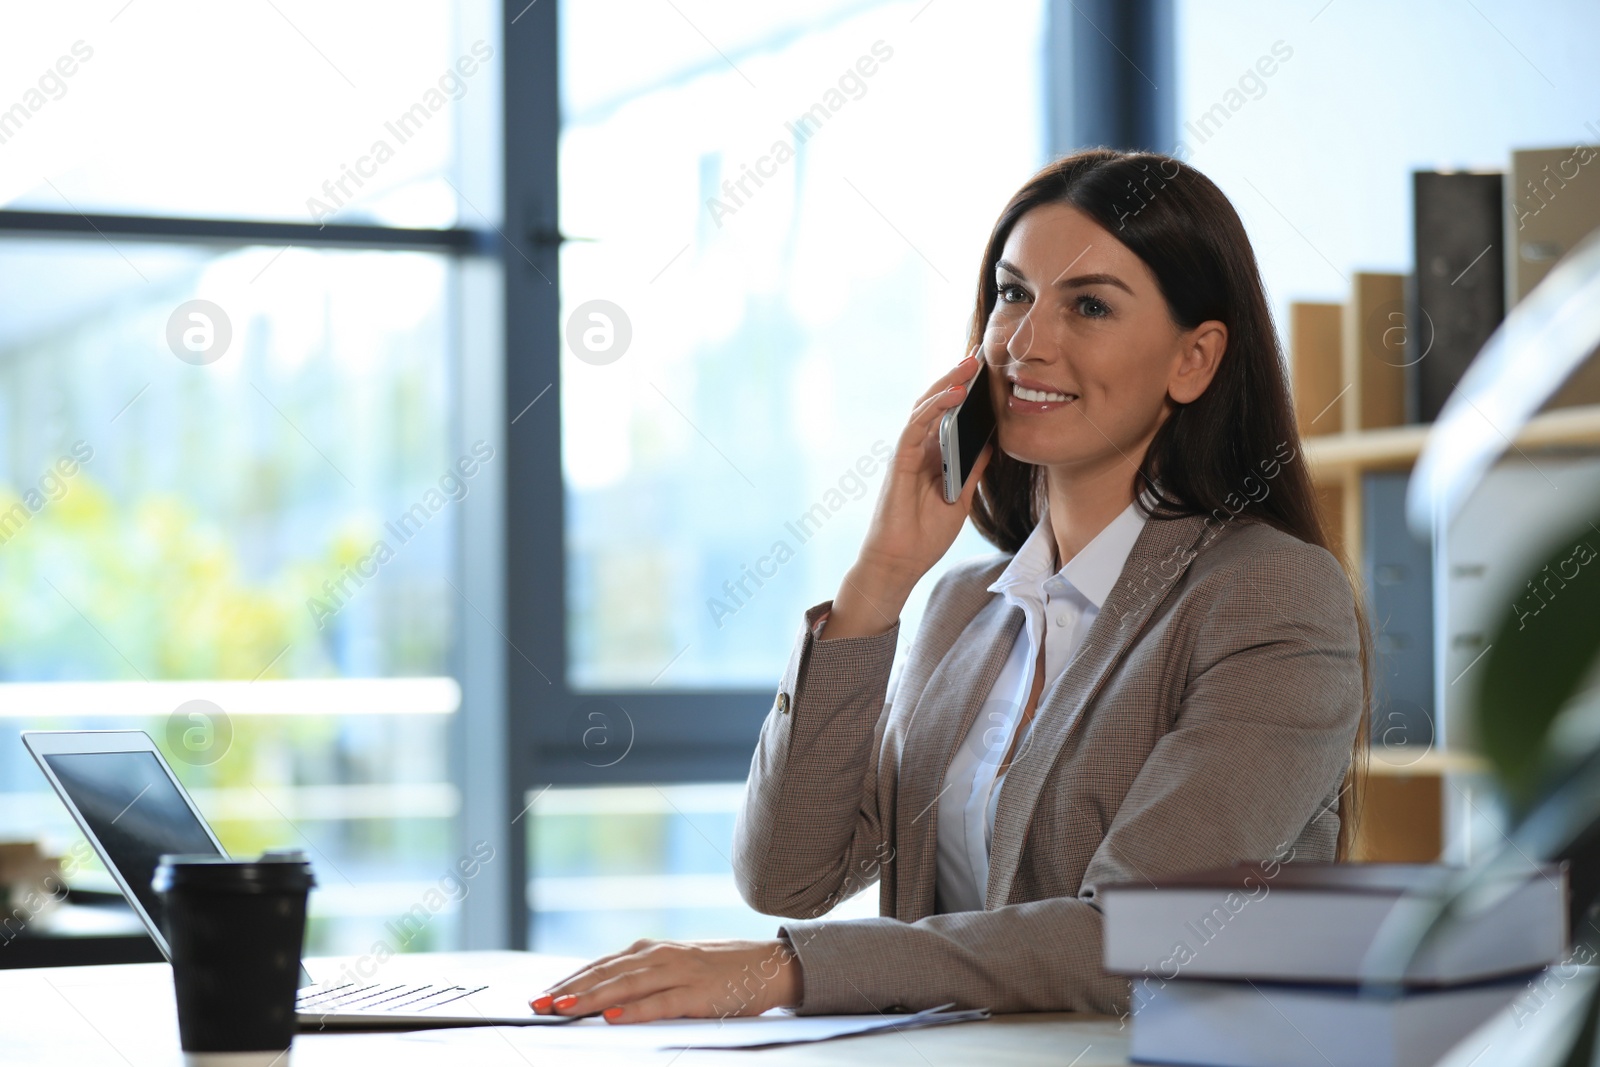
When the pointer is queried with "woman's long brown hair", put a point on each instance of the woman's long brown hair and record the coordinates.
(1184, 229)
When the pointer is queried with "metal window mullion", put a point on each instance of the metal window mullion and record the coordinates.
(238, 232)
(535, 588)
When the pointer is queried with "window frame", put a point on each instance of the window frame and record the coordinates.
(688, 735)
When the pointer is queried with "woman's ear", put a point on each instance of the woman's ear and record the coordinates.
(1198, 358)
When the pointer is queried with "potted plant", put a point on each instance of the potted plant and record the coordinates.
(1538, 726)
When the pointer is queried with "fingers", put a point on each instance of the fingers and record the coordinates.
(619, 990)
(676, 980)
(929, 411)
(587, 977)
(637, 946)
(961, 373)
(676, 1003)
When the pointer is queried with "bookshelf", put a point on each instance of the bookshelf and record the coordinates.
(1337, 461)
(1404, 798)
(1398, 761)
(1401, 817)
(1393, 348)
(1399, 446)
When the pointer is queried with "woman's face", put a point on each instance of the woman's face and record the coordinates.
(1084, 359)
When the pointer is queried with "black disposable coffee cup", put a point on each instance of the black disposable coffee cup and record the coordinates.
(235, 928)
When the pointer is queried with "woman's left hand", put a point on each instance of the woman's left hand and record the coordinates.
(680, 979)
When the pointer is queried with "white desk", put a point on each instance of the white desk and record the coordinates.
(125, 1016)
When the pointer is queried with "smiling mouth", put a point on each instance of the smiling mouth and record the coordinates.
(1039, 396)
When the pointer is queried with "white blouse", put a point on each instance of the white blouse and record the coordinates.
(1058, 607)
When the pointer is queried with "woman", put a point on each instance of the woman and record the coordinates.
(1166, 669)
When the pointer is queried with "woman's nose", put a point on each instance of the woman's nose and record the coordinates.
(1023, 340)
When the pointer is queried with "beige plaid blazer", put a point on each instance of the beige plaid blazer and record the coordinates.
(1208, 717)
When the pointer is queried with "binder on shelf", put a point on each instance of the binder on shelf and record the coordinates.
(1316, 367)
(1552, 203)
(1458, 296)
(1398, 571)
(1376, 350)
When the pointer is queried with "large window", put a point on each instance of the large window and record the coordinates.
(785, 213)
(235, 459)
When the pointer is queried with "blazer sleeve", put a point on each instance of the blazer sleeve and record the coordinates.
(809, 833)
(1261, 737)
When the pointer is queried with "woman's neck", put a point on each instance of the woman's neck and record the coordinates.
(1084, 503)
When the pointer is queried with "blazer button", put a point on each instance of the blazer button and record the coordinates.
(782, 703)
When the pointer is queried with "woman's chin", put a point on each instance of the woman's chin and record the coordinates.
(1042, 459)
(1068, 461)
(1025, 448)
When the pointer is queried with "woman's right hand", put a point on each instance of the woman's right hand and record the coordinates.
(912, 526)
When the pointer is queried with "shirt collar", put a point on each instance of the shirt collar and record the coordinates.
(1092, 572)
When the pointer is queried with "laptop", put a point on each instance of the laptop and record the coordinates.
(132, 809)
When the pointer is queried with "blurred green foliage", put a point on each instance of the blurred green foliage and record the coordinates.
(162, 589)
(1545, 646)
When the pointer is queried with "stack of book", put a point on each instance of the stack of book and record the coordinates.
(1262, 965)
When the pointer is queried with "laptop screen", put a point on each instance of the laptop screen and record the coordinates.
(135, 811)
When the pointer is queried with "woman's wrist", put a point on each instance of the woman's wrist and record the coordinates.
(869, 602)
(791, 987)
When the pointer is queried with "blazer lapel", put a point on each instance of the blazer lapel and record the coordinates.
(927, 741)
(1159, 557)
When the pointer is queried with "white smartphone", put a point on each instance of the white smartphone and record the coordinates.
(963, 431)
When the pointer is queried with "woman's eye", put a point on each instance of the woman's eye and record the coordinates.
(1093, 307)
(1011, 294)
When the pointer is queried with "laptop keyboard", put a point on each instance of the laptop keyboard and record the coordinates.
(379, 998)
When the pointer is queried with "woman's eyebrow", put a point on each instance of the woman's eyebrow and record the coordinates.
(1073, 282)
(1095, 279)
(1009, 268)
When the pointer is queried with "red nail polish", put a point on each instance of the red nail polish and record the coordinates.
(612, 1014)
(565, 1003)
(541, 1003)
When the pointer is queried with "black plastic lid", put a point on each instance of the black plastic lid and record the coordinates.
(277, 871)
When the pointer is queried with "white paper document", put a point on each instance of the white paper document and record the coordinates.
(765, 1031)
(761, 1031)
